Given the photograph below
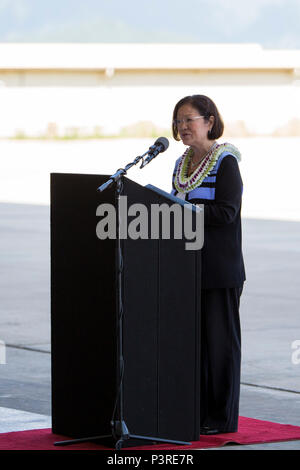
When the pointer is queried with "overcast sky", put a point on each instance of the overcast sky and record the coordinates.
(271, 23)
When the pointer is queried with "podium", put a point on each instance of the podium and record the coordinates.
(160, 371)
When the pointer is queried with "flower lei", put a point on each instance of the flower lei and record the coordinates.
(184, 183)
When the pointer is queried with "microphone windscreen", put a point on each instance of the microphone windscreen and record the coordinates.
(163, 141)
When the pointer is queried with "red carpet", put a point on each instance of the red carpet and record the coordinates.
(251, 431)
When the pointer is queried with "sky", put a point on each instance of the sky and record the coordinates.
(274, 24)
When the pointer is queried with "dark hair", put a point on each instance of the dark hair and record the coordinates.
(206, 108)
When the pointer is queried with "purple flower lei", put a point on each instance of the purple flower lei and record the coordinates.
(184, 183)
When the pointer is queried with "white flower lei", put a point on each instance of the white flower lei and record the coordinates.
(184, 183)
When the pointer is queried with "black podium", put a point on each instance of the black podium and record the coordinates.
(160, 376)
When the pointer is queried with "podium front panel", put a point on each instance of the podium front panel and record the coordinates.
(161, 320)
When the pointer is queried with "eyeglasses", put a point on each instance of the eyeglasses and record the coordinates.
(187, 121)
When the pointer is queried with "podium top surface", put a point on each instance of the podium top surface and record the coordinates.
(175, 199)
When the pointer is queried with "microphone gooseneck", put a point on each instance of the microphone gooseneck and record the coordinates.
(159, 146)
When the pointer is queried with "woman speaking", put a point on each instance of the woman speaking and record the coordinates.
(208, 173)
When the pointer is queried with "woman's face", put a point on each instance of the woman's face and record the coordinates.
(192, 128)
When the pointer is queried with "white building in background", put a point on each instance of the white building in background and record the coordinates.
(55, 89)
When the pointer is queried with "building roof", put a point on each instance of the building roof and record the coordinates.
(79, 56)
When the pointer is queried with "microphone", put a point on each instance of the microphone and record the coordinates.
(159, 146)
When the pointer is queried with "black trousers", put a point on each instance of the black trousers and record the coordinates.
(220, 358)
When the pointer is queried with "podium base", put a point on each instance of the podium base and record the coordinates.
(129, 440)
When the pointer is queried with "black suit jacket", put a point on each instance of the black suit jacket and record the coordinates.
(222, 258)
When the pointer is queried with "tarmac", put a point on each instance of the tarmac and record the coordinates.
(270, 385)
